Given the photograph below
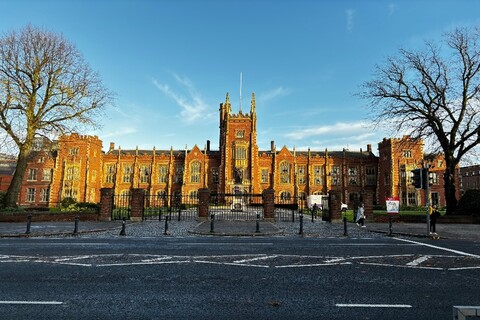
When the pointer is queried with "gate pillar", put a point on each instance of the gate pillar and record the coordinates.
(106, 204)
(137, 204)
(367, 196)
(203, 201)
(269, 205)
(334, 205)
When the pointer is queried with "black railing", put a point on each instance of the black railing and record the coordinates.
(179, 207)
(121, 206)
(236, 206)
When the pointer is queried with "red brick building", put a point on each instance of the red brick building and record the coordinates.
(76, 167)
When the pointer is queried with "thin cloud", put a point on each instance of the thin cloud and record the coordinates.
(336, 129)
(273, 93)
(350, 21)
(392, 7)
(193, 108)
(121, 132)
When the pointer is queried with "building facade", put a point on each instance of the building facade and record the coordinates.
(75, 166)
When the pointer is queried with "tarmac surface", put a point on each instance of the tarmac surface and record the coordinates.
(469, 232)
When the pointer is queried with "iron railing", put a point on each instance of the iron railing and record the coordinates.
(179, 207)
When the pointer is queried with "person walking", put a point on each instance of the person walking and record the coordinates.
(434, 214)
(361, 215)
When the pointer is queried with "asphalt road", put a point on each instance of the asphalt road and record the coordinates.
(237, 278)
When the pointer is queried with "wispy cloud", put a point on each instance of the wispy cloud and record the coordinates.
(123, 131)
(193, 108)
(273, 93)
(336, 129)
(350, 19)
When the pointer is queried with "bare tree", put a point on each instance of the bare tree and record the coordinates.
(46, 89)
(433, 94)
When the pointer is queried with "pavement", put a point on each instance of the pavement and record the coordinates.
(469, 232)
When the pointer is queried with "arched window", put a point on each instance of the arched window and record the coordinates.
(284, 172)
(195, 170)
(285, 195)
(193, 195)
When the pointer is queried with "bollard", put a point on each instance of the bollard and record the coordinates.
(345, 226)
(390, 229)
(293, 216)
(29, 222)
(212, 219)
(166, 225)
(75, 230)
(301, 225)
(122, 232)
(257, 230)
(313, 212)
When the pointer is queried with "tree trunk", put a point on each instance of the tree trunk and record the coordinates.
(13, 191)
(450, 189)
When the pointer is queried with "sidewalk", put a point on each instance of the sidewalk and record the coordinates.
(469, 232)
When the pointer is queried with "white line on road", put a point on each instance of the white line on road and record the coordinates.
(361, 305)
(417, 261)
(31, 302)
(440, 248)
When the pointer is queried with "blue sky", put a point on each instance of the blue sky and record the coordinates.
(171, 63)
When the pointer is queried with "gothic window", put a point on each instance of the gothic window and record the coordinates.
(301, 174)
(318, 175)
(195, 172)
(215, 175)
(162, 173)
(193, 195)
(335, 174)
(109, 173)
(411, 198)
(69, 191)
(72, 173)
(45, 195)
(407, 153)
(240, 134)
(144, 173)
(127, 173)
(240, 153)
(302, 196)
(285, 195)
(32, 174)
(371, 175)
(353, 176)
(73, 151)
(178, 173)
(285, 172)
(265, 175)
(433, 178)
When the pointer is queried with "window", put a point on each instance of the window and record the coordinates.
(407, 153)
(195, 172)
(265, 175)
(411, 198)
(386, 179)
(73, 151)
(285, 195)
(47, 175)
(353, 176)
(371, 176)
(30, 194)
(318, 175)
(302, 196)
(109, 173)
(69, 191)
(354, 197)
(127, 173)
(433, 178)
(32, 174)
(178, 178)
(335, 173)
(435, 198)
(193, 195)
(240, 134)
(240, 153)
(144, 173)
(215, 175)
(284, 172)
(72, 173)
(162, 173)
(45, 195)
(301, 174)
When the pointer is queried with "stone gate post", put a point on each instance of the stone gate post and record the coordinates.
(269, 205)
(203, 201)
(334, 204)
(106, 204)
(137, 204)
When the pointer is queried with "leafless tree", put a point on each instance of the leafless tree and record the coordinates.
(46, 89)
(433, 94)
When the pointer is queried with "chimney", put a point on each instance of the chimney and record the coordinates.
(369, 148)
(112, 146)
(208, 145)
(272, 145)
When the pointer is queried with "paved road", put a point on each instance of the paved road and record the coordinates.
(237, 277)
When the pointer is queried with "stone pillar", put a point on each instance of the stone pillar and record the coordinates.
(203, 202)
(106, 204)
(334, 205)
(137, 204)
(367, 196)
(269, 205)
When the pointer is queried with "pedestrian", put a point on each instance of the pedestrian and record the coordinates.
(314, 210)
(361, 215)
(434, 214)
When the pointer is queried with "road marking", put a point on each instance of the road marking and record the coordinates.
(440, 248)
(31, 302)
(417, 261)
(361, 305)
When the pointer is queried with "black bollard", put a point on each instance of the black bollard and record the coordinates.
(293, 216)
(258, 223)
(75, 230)
(166, 225)
(29, 222)
(390, 229)
(212, 226)
(124, 222)
(301, 225)
(345, 226)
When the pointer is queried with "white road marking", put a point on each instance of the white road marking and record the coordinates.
(255, 259)
(440, 248)
(31, 302)
(312, 265)
(417, 261)
(361, 305)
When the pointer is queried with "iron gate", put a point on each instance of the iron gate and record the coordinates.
(236, 206)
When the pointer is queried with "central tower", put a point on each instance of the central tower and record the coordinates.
(238, 150)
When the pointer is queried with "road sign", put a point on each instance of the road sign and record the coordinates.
(393, 205)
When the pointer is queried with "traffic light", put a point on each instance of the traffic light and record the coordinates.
(417, 178)
(427, 178)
